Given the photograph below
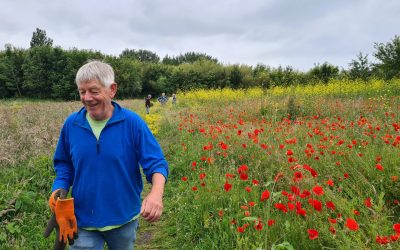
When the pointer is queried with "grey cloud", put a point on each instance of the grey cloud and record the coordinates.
(275, 32)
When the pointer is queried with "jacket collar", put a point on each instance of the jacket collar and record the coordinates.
(118, 115)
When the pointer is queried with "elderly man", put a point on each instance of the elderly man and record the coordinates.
(99, 153)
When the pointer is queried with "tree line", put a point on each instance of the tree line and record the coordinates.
(45, 71)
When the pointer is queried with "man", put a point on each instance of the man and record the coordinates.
(99, 153)
(148, 104)
(162, 99)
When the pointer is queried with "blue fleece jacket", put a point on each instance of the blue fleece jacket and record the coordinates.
(104, 174)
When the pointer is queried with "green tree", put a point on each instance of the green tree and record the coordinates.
(37, 69)
(11, 72)
(324, 72)
(67, 63)
(127, 76)
(388, 56)
(359, 68)
(188, 57)
(39, 38)
(235, 77)
(141, 55)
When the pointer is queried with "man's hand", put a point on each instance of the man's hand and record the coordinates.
(152, 205)
(59, 193)
(66, 220)
(52, 224)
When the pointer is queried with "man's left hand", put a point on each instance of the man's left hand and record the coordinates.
(152, 207)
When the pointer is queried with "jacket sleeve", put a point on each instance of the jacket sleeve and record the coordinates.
(62, 163)
(149, 152)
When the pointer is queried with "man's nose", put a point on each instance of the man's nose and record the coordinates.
(87, 96)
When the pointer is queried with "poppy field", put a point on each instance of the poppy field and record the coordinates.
(257, 170)
(302, 167)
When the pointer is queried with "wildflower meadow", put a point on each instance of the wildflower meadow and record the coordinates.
(306, 167)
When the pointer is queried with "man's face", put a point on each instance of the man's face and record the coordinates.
(97, 99)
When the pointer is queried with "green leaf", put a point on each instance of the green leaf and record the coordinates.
(3, 236)
(250, 218)
(283, 246)
(287, 224)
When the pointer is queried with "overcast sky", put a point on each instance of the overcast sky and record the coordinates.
(299, 33)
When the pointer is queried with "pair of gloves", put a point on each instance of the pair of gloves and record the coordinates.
(63, 219)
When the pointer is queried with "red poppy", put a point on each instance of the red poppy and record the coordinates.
(383, 240)
(291, 206)
(220, 213)
(330, 182)
(379, 167)
(305, 194)
(184, 178)
(297, 176)
(240, 229)
(281, 207)
(202, 176)
(223, 146)
(194, 188)
(248, 189)
(332, 229)
(312, 234)
(317, 205)
(258, 226)
(208, 147)
(318, 190)
(332, 220)
(271, 222)
(396, 228)
(244, 176)
(330, 205)
(351, 224)
(243, 168)
(227, 186)
(255, 182)
(289, 152)
(251, 203)
(230, 176)
(311, 170)
(265, 195)
(367, 202)
(394, 237)
(301, 211)
(295, 190)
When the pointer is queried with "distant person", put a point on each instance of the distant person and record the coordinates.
(162, 99)
(100, 153)
(173, 99)
(148, 104)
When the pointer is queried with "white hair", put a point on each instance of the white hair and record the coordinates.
(95, 70)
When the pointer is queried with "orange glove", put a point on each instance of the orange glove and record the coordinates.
(59, 193)
(66, 220)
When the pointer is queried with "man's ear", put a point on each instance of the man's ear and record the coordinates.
(113, 89)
